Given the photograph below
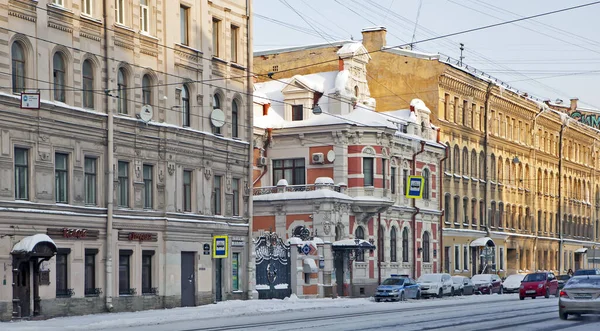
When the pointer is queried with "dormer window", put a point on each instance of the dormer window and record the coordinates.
(297, 112)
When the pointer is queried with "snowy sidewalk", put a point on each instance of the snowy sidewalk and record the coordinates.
(222, 309)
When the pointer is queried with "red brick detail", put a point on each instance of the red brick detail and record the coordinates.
(371, 269)
(310, 289)
(434, 231)
(354, 165)
(355, 182)
(313, 173)
(418, 269)
(289, 219)
(266, 223)
(351, 221)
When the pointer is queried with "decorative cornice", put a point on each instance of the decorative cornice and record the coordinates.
(60, 27)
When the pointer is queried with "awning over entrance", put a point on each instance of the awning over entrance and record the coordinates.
(39, 245)
(483, 242)
(581, 250)
(348, 244)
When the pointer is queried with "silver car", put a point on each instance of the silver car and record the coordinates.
(581, 295)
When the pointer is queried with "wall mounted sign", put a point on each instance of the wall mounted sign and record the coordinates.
(72, 233)
(30, 100)
(206, 249)
(138, 236)
(414, 189)
(220, 247)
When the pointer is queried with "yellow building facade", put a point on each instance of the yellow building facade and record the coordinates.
(515, 168)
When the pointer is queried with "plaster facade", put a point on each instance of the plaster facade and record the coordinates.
(131, 202)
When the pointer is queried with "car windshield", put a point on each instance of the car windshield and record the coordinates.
(584, 282)
(430, 278)
(534, 278)
(585, 272)
(563, 277)
(457, 280)
(481, 278)
(514, 278)
(393, 281)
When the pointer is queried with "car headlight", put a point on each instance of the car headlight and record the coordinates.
(395, 290)
(540, 285)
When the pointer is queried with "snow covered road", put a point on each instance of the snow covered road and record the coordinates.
(487, 312)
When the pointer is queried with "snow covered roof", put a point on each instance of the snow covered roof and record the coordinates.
(374, 28)
(301, 47)
(353, 243)
(302, 195)
(27, 244)
(482, 242)
(410, 53)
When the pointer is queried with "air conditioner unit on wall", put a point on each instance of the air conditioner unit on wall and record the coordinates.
(262, 161)
(318, 158)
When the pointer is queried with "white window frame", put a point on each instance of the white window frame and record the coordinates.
(465, 257)
(120, 11)
(145, 17)
(87, 7)
(59, 2)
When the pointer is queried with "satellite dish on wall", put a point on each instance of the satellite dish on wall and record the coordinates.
(217, 118)
(331, 156)
(146, 113)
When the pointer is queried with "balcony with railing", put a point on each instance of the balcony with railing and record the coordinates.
(283, 187)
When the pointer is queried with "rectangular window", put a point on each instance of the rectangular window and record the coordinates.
(120, 11)
(368, 171)
(147, 272)
(235, 271)
(123, 184)
(501, 261)
(465, 118)
(184, 25)
(61, 177)
(297, 112)
(187, 190)
(90, 180)
(466, 211)
(481, 213)
(87, 7)
(235, 187)
(481, 119)
(404, 181)
(383, 172)
(59, 2)
(62, 286)
(216, 33)
(465, 257)
(217, 195)
(90, 272)
(125, 272)
(455, 110)
(21, 173)
(473, 115)
(148, 186)
(292, 170)
(234, 43)
(447, 209)
(446, 106)
(456, 257)
(393, 180)
(144, 16)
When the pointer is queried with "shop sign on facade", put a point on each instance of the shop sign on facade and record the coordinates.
(220, 247)
(138, 236)
(72, 233)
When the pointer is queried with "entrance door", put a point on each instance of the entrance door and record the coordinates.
(339, 272)
(188, 279)
(218, 280)
(473, 261)
(22, 288)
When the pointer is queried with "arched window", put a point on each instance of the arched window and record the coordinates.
(465, 161)
(474, 167)
(122, 91)
(456, 164)
(356, 91)
(88, 84)
(447, 199)
(146, 90)
(18, 67)
(381, 244)
(234, 119)
(59, 74)
(425, 174)
(185, 106)
(448, 160)
(426, 257)
(493, 167)
(405, 245)
(481, 165)
(359, 233)
(393, 250)
(216, 105)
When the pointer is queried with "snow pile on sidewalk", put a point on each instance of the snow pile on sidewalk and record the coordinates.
(227, 308)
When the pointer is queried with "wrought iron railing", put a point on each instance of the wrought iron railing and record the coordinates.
(127, 291)
(288, 188)
(93, 292)
(150, 291)
(65, 293)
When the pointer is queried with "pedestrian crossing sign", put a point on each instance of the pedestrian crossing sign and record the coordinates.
(414, 189)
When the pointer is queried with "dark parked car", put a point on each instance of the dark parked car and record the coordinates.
(538, 284)
(487, 284)
(463, 285)
(586, 272)
(562, 280)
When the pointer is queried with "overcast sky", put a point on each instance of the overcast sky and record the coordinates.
(556, 56)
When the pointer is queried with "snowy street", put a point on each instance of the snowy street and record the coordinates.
(487, 312)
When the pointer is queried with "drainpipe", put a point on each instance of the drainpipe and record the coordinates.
(380, 255)
(110, 168)
(250, 119)
(488, 93)
(441, 194)
(265, 153)
(413, 220)
(559, 209)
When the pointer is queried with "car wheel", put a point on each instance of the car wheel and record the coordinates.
(501, 291)
(533, 297)
(441, 293)
(402, 298)
(521, 298)
(461, 292)
(547, 294)
(563, 316)
(557, 294)
(452, 293)
(491, 290)
(418, 296)
(377, 300)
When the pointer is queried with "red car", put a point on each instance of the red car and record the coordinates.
(538, 284)
(487, 284)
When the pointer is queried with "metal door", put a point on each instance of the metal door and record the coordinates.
(22, 288)
(339, 272)
(272, 267)
(188, 279)
(218, 280)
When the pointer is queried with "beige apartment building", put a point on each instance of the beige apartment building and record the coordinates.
(139, 153)
(515, 168)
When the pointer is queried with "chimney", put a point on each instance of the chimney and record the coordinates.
(574, 104)
(374, 38)
(340, 65)
(266, 109)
